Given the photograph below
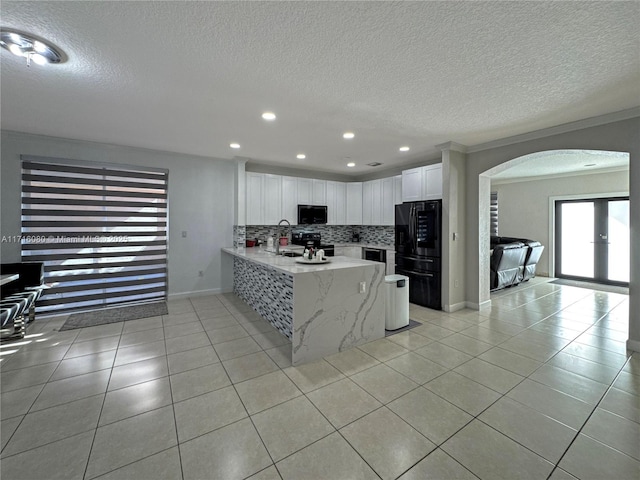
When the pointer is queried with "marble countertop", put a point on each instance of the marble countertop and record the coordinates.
(289, 265)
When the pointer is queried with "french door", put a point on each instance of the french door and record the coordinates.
(593, 240)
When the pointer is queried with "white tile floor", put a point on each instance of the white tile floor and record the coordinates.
(540, 386)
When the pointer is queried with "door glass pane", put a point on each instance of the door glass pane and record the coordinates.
(577, 239)
(619, 238)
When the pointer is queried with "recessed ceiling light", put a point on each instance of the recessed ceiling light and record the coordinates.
(348, 135)
(590, 165)
(351, 164)
(404, 149)
(234, 145)
(269, 116)
(301, 156)
(24, 45)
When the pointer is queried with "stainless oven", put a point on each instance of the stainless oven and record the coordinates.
(374, 254)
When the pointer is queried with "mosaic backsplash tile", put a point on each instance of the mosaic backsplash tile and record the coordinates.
(269, 292)
(239, 235)
(374, 234)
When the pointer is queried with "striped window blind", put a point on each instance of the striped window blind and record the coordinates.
(101, 232)
(494, 214)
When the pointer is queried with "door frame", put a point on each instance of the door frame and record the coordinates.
(552, 219)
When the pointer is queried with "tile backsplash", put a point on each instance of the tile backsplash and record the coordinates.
(374, 234)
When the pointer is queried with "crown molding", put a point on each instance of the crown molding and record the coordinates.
(456, 147)
(559, 129)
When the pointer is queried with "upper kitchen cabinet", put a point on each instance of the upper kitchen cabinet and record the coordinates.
(422, 183)
(319, 192)
(290, 199)
(336, 203)
(432, 182)
(388, 197)
(304, 191)
(372, 202)
(397, 190)
(354, 203)
(412, 185)
(255, 210)
(272, 199)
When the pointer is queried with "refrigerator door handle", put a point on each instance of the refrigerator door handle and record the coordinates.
(418, 274)
(411, 234)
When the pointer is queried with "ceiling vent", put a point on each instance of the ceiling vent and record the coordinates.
(374, 164)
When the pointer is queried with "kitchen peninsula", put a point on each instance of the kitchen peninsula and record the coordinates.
(322, 308)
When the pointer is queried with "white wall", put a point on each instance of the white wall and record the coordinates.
(523, 207)
(201, 201)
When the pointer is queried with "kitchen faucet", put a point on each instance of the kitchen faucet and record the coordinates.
(278, 234)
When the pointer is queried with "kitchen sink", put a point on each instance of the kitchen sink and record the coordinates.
(291, 254)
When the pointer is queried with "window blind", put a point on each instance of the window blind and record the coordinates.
(494, 214)
(100, 231)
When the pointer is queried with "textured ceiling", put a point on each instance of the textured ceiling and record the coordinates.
(192, 77)
(559, 162)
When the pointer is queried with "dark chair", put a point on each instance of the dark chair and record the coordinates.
(18, 302)
(507, 262)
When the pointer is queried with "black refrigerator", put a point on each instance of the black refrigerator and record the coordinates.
(418, 245)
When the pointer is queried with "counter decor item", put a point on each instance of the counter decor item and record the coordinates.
(284, 241)
(313, 261)
(251, 243)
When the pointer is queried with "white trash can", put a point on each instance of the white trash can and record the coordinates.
(397, 302)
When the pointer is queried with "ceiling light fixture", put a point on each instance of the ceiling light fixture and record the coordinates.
(234, 145)
(269, 116)
(590, 165)
(404, 149)
(301, 156)
(33, 49)
(348, 135)
(351, 164)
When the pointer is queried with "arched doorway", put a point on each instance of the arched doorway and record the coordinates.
(538, 166)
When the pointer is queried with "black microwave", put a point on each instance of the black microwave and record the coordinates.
(312, 215)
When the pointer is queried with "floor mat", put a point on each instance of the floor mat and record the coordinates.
(113, 315)
(592, 286)
(412, 324)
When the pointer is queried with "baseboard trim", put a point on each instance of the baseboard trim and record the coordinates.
(633, 345)
(197, 293)
(478, 306)
(455, 307)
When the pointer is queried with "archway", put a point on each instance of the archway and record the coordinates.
(538, 165)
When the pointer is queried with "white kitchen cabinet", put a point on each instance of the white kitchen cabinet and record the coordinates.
(290, 199)
(341, 204)
(387, 197)
(422, 183)
(432, 182)
(412, 185)
(255, 207)
(319, 192)
(376, 206)
(367, 203)
(354, 203)
(336, 203)
(272, 199)
(304, 191)
(397, 190)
